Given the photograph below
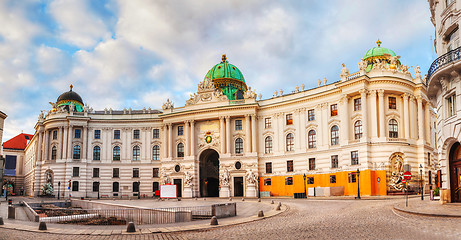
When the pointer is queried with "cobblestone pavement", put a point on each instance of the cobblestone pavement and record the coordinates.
(328, 219)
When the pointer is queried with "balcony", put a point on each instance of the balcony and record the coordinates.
(447, 58)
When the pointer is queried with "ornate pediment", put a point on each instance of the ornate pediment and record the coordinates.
(206, 92)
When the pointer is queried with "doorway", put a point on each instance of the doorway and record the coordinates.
(209, 173)
(178, 183)
(455, 172)
(238, 186)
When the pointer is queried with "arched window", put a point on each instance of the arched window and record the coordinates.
(238, 146)
(156, 153)
(393, 129)
(180, 150)
(312, 139)
(115, 187)
(335, 135)
(358, 131)
(96, 153)
(290, 142)
(239, 94)
(268, 144)
(116, 153)
(53, 153)
(76, 152)
(136, 153)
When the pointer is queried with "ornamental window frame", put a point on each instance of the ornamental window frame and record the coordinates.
(180, 149)
(136, 153)
(393, 128)
(267, 123)
(136, 134)
(156, 152)
(290, 142)
(311, 115)
(451, 105)
(268, 144)
(77, 152)
(55, 134)
(116, 153)
(392, 102)
(312, 139)
(358, 129)
(97, 134)
(333, 110)
(238, 124)
(180, 130)
(156, 133)
(334, 135)
(96, 153)
(289, 119)
(54, 150)
(357, 104)
(117, 134)
(238, 146)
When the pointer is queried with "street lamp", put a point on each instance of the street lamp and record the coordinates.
(59, 189)
(421, 185)
(358, 184)
(305, 195)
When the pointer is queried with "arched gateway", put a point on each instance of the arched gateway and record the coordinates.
(455, 172)
(209, 173)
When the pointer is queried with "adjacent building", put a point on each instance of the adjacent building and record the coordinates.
(13, 173)
(227, 141)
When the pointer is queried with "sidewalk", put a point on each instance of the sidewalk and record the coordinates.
(427, 207)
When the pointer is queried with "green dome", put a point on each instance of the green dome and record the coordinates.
(228, 78)
(378, 51)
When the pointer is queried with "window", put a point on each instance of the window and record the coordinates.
(428, 158)
(238, 146)
(352, 177)
(136, 153)
(116, 173)
(155, 172)
(334, 161)
(180, 130)
(115, 186)
(53, 153)
(116, 153)
(238, 165)
(76, 154)
(452, 40)
(155, 186)
(116, 134)
(332, 178)
(97, 134)
(75, 171)
(311, 115)
(290, 166)
(156, 133)
(288, 180)
(135, 172)
(95, 172)
(358, 131)
(238, 95)
(77, 133)
(290, 142)
(267, 182)
(312, 139)
(289, 119)
(354, 157)
(310, 180)
(334, 110)
(180, 150)
(451, 111)
(136, 134)
(177, 168)
(268, 167)
(392, 103)
(311, 163)
(75, 186)
(136, 186)
(95, 186)
(55, 134)
(267, 123)
(335, 135)
(238, 125)
(268, 144)
(96, 153)
(393, 129)
(156, 153)
(357, 104)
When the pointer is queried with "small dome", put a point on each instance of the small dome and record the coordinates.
(225, 70)
(71, 97)
(378, 51)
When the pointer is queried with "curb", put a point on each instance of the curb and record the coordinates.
(140, 230)
(425, 214)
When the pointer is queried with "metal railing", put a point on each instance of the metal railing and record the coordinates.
(451, 56)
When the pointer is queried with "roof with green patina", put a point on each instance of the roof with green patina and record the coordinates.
(225, 70)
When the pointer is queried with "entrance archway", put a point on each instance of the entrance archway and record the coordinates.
(209, 173)
(455, 172)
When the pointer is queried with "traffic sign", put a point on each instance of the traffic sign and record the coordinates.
(407, 175)
(404, 180)
(379, 179)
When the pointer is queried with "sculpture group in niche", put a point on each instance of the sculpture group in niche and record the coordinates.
(224, 178)
(396, 170)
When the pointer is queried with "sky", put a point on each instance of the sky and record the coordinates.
(137, 53)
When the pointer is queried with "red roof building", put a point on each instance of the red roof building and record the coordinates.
(19, 142)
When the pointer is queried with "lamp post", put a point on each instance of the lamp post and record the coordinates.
(59, 189)
(358, 184)
(304, 183)
(421, 185)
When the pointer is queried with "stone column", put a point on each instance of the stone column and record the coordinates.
(222, 133)
(46, 144)
(420, 118)
(253, 133)
(281, 125)
(247, 134)
(344, 116)
(276, 139)
(64, 143)
(69, 142)
(325, 131)
(187, 147)
(165, 141)
(381, 103)
(406, 115)
(298, 140)
(85, 142)
(39, 147)
(192, 138)
(363, 94)
(170, 140)
(374, 115)
(228, 135)
(303, 138)
(413, 116)
(60, 146)
(428, 122)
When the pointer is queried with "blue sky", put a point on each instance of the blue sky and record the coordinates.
(138, 53)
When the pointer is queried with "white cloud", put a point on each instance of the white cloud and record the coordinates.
(52, 60)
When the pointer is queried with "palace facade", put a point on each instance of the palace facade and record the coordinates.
(226, 141)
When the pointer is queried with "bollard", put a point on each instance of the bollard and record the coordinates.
(243, 199)
(230, 199)
(259, 199)
(11, 212)
(10, 201)
(260, 213)
(272, 202)
(179, 199)
(131, 227)
(42, 226)
(214, 221)
(1, 221)
(204, 199)
(195, 198)
(277, 208)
